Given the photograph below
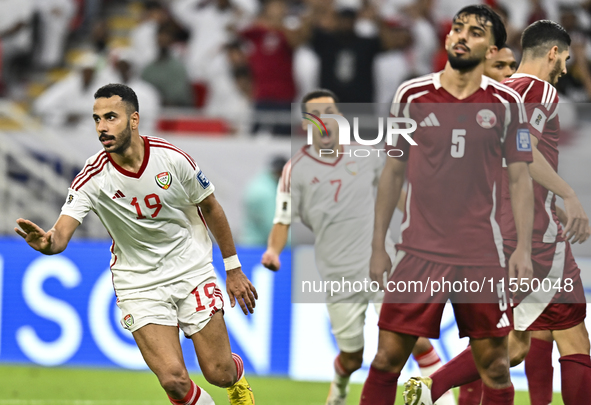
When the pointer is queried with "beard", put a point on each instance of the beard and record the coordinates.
(123, 140)
(461, 64)
(556, 73)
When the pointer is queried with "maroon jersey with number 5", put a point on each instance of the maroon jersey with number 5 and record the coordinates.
(453, 205)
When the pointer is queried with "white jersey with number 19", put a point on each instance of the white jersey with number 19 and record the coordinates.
(159, 235)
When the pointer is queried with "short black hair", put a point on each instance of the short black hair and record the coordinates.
(540, 36)
(317, 94)
(486, 14)
(125, 92)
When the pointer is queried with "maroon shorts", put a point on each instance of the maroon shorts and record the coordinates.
(559, 302)
(492, 317)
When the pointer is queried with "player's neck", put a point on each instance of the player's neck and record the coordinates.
(315, 150)
(461, 84)
(534, 68)
(132, 158)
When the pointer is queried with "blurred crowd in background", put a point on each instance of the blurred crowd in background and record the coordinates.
(235, 66)
(220, 67)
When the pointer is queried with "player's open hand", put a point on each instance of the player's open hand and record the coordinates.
(271, 260)
(36, 237)
(239, 288)
(379, 265)
(520, 266)
(577, 224)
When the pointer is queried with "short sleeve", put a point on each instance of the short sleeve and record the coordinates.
(194, 181)
(77, 205)
(282, 207)
(517, 145)
(541, 104)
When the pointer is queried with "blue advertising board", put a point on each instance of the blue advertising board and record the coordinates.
(61, 310)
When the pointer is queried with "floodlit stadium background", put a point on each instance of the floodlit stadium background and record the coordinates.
(60, 311)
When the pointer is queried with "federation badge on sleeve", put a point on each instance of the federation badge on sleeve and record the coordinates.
(128, 320)
(71, 199)
(523, 140)
(202, 179)
(164, 180)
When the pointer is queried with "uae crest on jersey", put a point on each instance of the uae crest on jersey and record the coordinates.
(128, 320)
(164, 180)
(486, 118)
(352, 168)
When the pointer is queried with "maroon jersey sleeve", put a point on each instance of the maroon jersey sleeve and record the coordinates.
(517, 144)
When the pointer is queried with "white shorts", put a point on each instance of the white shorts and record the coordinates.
(165, 306)
(347, 320)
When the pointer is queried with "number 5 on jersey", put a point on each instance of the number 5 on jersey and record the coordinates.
(458, 143)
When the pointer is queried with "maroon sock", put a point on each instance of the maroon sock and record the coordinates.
(575, 373)
(471, 394)
(458, 371)
(539, 370)
(379, 388)
(503, 396)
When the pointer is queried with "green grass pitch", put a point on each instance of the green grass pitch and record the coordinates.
(20, 385)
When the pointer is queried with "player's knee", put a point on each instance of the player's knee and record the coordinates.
(386, 360)
(497, 372)
(176, 383)
(517, 355)
(220, 374)
(351, 361)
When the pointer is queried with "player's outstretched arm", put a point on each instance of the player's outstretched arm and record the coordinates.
(51, 242)
(577, 223)
(522, 203)
(389, 188)
(275, 244)
(238, 286)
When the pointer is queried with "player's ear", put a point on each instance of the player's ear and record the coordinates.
(134, 120)
(491, 52)
(553, 53)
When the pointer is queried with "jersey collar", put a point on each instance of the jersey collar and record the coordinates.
(143, 166)
(437, 81)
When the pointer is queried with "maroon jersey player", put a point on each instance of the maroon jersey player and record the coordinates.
(545, 51)
(458, 158)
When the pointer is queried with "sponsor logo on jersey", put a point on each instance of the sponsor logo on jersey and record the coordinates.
(523, 140)
(72, 199)
(202, 179)
(164, 180)
(118, 194)
(486, 118)
(128, 320)
(315, 180)
(352, 168)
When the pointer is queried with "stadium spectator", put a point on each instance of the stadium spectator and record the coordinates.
(167, 73)
(54, 19)
(395, 65)
(126, 73)
(211, 25)
(346, 59)
(230, 95)
(270, 46)
(144, 37)
(66, 103)
(259, 204)
(15, 39)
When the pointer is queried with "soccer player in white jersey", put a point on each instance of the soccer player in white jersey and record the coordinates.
(333, 195)
(157, 205)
